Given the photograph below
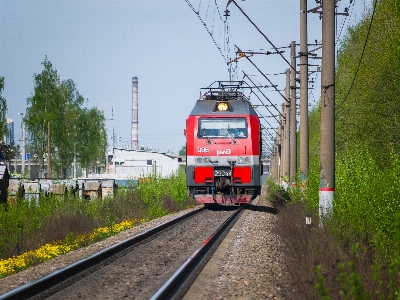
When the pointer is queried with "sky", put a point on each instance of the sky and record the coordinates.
(102, 44)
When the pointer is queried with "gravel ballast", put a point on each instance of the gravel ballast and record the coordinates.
(249, 263)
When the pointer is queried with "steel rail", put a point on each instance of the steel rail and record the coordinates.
(41, 285)
(181, 280)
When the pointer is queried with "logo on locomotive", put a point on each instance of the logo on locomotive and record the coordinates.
(227, 151)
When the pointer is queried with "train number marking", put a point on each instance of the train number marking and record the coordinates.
(222, 152)
(202, 150)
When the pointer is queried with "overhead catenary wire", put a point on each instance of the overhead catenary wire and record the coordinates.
(362, 55)
(349, 9)
(263, 74)
(268, 40)
(227, 45)
(273, 105)
(206, 27)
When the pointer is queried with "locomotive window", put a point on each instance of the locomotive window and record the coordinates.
(223, 128)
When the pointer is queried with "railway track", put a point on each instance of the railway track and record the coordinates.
(141, 267)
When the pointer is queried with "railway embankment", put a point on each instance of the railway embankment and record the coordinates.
(326, 260)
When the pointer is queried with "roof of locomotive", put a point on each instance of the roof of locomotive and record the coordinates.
(239, 105)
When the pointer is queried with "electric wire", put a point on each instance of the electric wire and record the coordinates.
(206, 27)
(362, 54)
(268, 40)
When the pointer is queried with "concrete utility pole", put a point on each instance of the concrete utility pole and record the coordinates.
(23, 148)
(135, 117)
(48, 151)
(23, 144)
(293, 123)
(272, 164)
(286, 111)
(280, 148)
(303, 91)
(327, 146)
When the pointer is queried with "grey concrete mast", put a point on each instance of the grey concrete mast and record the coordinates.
(286, 110)
(280, 148)
(293, 122)
(327, 146)
(135, 121)
(304, 148)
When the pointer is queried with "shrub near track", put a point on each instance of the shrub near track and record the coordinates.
(32, 232)
(339, 261)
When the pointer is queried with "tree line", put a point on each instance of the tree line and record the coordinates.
(61, 129)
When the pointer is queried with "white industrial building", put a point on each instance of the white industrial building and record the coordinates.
(136, 164)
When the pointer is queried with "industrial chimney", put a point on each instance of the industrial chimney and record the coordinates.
(135, 121)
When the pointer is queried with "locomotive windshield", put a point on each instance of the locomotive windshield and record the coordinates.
(223, 127)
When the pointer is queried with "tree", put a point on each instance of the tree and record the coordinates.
(55, 119)
(91, 138)
(43, 110)
(65, 134)
(182, 152)
(7, 152)
(3, 110)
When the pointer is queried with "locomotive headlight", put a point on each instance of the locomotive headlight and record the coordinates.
(243, 160)
(199, 160)
(206, 160)
(222, 106)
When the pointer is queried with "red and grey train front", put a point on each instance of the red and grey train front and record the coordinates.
(223, 151)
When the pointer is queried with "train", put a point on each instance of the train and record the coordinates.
(223, 147)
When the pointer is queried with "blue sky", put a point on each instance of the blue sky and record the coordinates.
(101, 45)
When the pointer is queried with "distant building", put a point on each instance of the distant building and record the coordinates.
(9, 138)
(136, 164)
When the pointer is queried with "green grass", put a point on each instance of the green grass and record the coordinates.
(26, 225)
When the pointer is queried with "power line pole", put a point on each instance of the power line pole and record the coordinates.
(23, 144)
(286, 110)
(23, 148)
(303, 91)
(293, 123)
(48, 151)
(280, 149)
(327, 146)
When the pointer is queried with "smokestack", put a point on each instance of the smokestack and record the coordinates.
(135, 121)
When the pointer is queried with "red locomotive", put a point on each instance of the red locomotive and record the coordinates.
(223, 147)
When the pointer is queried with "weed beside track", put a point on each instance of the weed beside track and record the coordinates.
(32, 232)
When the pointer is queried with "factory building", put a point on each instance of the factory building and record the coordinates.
(9, 138)
(136, 164)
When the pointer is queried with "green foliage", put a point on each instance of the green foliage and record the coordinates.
(3, 109)
(182, 152)
(152, 189)
(276, 194)
(74, 131)
(350, 281)
(370, 115)
(91, 141)
(8, 152)
(367, 188)
(27, 224)
(323, 291)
